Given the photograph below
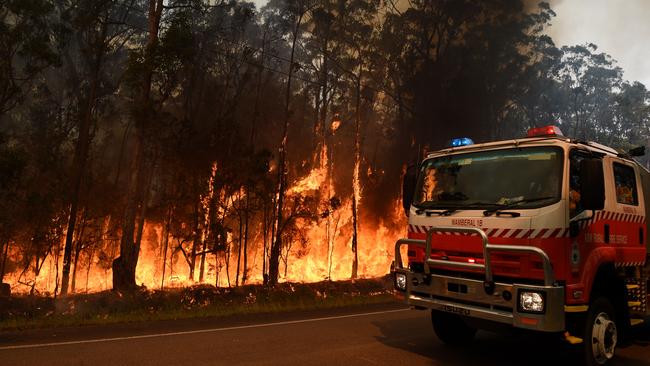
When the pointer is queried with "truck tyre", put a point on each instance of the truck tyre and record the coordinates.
(601, 333)
(451, 329)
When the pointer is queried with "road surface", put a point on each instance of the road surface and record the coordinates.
(376, 335)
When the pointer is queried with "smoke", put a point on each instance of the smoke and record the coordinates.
(618, 27)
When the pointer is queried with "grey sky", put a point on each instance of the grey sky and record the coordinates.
(620, 28)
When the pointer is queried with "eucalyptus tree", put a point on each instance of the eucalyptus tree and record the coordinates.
(293, 14)
(94, 50)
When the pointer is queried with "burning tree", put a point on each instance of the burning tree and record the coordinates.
(191, 141)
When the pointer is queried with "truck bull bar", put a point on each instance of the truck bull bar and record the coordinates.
(473, 298)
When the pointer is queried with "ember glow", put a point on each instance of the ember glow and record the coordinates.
(320, 250)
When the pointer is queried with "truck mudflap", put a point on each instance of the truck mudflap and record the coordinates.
(536, 307)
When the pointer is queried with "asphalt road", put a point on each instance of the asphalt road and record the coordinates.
(377, 335)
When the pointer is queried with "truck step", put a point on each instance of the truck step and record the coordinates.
(633, 304)
(636, 321)
(571, 339)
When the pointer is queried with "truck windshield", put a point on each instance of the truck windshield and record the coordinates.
(484, 179)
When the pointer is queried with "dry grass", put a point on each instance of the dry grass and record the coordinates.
(198, 301)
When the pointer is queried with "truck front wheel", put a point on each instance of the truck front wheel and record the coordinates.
(601, 334)
(451, 329)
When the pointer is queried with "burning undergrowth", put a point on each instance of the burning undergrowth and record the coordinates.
(322, 240)
(22, 312)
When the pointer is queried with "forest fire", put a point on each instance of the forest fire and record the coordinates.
(261, 144)
(320, 246)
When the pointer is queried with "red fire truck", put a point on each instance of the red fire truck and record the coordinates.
(544, 233)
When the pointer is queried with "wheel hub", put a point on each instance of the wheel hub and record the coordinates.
(603, 338)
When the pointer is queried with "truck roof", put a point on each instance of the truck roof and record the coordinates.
(546, 140)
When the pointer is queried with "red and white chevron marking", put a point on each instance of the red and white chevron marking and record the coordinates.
(505, 233)
(619, 216)
(628, 264)
(543, 233)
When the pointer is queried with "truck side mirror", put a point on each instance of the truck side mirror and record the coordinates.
(637, 151)
(408, 187)
(592, 184)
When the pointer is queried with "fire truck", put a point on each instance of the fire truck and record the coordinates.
(544, 233)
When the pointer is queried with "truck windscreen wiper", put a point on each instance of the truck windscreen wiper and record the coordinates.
(431, 208)
(506, 206)
(429, 212)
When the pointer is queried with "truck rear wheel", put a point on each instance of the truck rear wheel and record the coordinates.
(601, 333)
(451, 329)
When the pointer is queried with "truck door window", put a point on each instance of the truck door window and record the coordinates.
(625, 182)
(575, 157)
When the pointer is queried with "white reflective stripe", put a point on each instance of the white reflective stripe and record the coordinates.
(200, 331)
(547, 234)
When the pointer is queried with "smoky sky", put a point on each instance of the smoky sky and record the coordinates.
(620, 28)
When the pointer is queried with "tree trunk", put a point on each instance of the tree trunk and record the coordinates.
(77, 251)
(239, 239)
(123, 269)
(276, 246)
(195, 241)
(90, 263)
(356, 184)
(124, 265)
(246, 219)
(227, 255)
(5, 253)
(79, 165)
(165, 244)
(265, 250)
(202, 264)
(323, 126)
(73, 283)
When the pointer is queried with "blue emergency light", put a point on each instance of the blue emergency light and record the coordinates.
(461, 141)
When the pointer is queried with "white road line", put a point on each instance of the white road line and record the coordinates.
(100, 340)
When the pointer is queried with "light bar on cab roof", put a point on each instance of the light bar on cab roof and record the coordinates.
(461, 141)
(545, 131)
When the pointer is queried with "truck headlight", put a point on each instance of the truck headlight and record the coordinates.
(400, 281)
(531, 301)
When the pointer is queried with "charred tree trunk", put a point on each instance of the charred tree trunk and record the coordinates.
(5, 253)
(123, 269)
(124, 265)
(322, 128)
(227, 255)
(246, 220)
(276, 246)
(239, 239)
(165, 244)
(265, 250)
(356, 185)
(143, 194)
(195, 241)
(77, 252)
(79, 162)
(202, 264)
(73, 283)
(90, 263)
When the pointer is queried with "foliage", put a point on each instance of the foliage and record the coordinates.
(92, 93)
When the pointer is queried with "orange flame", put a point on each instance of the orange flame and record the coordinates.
(326, 255)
